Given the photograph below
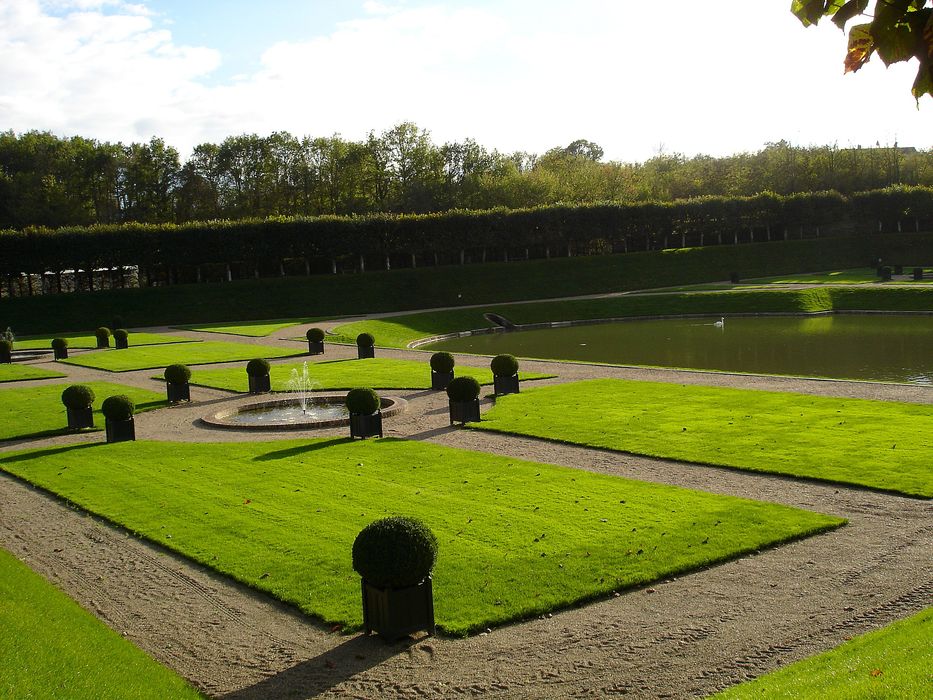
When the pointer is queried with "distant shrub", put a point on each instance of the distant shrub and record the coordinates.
(442, 362)
(103, 334)
(395, 552)
(6, 345)
(363, 401)
(78, 396)
(120, 334)
(119, 407)
(59, 343)
(177, 374)
(257, 367)
(463, 389)
(365, 340)
(315, 334)
(504, 365)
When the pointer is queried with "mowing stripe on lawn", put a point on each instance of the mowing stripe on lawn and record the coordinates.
(155, 356)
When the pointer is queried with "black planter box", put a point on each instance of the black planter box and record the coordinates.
(364, 351)
(363, 426)
(60, 354)
(505, 385)
(80, 418)
(734, 277)
(918, 273)
(393, 613)
(121, 344)
(315, 347)
(898, 269)
(6, 356)
(440, 380)
(120, 430)
(464, 411)
(103, 343)
(886, 274)
(259, 385)
(178, 392)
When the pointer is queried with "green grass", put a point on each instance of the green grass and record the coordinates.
(89, 340)
(376, 373)
(515, 538)
(19, 373)
(861, 275)
(155, 356)
(878, 444)
(52, 648)
(252, 329)
(893, 662)
(38, 411)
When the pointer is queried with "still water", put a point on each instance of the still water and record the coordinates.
(875, 347)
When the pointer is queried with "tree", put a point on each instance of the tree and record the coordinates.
(899, 31)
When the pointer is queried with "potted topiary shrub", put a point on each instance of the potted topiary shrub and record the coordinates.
(78, 400)
(442, 370)
(918, 273)
(395, 556)
(504, 374)
(176, 383)
(60, 348)
(365, 346)
(103, 337)
(365, 414)
(315, 338)
(6, 351)
(885, 274)
(121, 339)
(463, 395)
(118, 418)
(258, 371)
(734, 277)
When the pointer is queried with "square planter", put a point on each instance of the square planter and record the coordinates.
(734, 277)
(178, 392)
(363, 426)
(393, 613)
(120, 430)
(440, 380)
(918, 273)
(464, 411)
(364, 351)
(505, 385)
(885, 274)
(259, 385)
(121, 344)
(80, 418)
(6, 357)
(103, 343)
(315, 347)
(898, 269)
(60, 354)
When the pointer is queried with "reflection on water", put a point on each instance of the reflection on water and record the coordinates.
(876, 347)
(289, 414)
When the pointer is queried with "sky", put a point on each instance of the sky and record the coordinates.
(638, 78)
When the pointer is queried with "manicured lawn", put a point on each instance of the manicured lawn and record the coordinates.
(860, 275)
(878, 444)
(376, 373)
(52, 648)
(515, 538)
(37, 411)
(19, 373)
(89, 340)
(253, 329)
(187, 354)
(893, 662)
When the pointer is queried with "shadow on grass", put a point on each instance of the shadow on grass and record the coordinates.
(301, 449)
(48, 452)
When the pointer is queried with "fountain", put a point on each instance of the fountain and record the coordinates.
(301, 386)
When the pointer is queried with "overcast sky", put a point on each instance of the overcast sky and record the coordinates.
(636, 77)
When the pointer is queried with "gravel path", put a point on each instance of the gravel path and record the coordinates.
(681, 638)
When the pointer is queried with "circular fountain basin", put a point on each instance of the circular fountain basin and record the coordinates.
(286, 414)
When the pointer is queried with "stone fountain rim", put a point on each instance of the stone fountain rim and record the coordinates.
(391, 405)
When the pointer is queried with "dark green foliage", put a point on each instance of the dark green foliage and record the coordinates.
(119, 407)
(6, 345)
(504, 365)
(177, 374)
(463, 389)
(394, 552)
(363, 401)
(78, 396)
(59, 343)
(120, 334)
(442, 362)
(365, 340)
(257, 367)
(315, 334)
(103, 334)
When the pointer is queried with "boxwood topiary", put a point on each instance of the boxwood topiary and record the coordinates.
(120, 334)
(365, 340)
(315, 334)
(363, 401)
(442, 362)
(463, 389)
(177, 374)
(119, 407)
(504, 365)
(78, 396)
(102, 333)
(257, 367)
(395, 552)
(6, 345)
(59, 343)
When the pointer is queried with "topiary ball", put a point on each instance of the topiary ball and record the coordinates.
(504, 365)
(257, 367)
(78, 396)
(59, 343)
(442, 362)
(395, 552)
(363, 401)
(120, 334)
(6, 345)
(119, 407)
(102, 333)
(315, 334)
(177, 374)
(365, 340)
(463, 389)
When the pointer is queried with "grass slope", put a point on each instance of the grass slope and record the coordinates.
(89, 340)
(19, 373)
(251, 329)
(515, 538)
(376, 373)
(38, 411)
(893, 662)
(52, 648)
(187, 354)
(878, 444)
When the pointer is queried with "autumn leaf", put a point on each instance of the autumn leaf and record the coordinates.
(861, 46)
(876, 672)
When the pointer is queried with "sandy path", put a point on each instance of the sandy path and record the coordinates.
(681, 638)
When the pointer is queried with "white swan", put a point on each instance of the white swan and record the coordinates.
(720, 323)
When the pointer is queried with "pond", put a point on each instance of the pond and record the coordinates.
(890, 348)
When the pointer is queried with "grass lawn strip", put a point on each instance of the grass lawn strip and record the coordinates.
(19, 373)
(38, 411)
(376, 373)
(893, 662)
(252, 329)
(879, 444)
(89, 340)
(516, 538)
(154, 356)
(53, 648)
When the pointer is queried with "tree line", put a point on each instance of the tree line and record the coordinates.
(50, 181)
